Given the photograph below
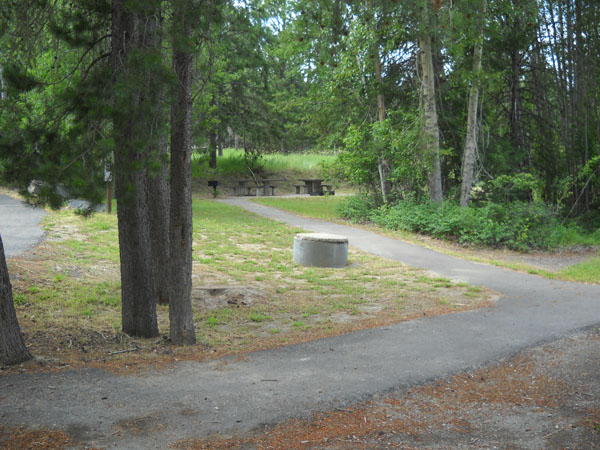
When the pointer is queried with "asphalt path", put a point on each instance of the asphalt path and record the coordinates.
(19, 225)
(239, 394)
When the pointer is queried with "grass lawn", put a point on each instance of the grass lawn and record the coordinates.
(587, 271)
(247, 292)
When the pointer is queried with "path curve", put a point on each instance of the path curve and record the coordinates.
(235, 395)
(19, 225)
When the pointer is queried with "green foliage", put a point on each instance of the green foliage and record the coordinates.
(356, 208)
(522, 187)
(517, 225)
(397, 141)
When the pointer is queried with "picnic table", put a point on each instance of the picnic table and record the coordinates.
(241, 187)
(267, 183)
(313, 186)
(245, 187)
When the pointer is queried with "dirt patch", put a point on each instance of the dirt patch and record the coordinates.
(26, 439)
(546, 397)
(555, 261)
(215, 297)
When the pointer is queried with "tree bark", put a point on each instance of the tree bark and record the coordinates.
(471, 137)
(383, 165)
(130, 32)
(157, 188)
(430, 119)
(180, 310)
(516, 130)
(212, 149)
(12, 344)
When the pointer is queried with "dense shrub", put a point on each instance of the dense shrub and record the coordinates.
(515, 225)
(356, 208)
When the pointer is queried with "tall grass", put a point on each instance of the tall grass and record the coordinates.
(233, 162)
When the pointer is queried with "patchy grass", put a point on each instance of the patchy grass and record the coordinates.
(248, 294)
(317, 207)
(587, 271)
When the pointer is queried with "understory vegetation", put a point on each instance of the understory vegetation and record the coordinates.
(515, 225)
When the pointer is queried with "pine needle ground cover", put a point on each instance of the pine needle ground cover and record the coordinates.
(247, 293)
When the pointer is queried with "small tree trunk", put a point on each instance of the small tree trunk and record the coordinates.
(212, 149)
(157, 188)
(180, 310)
(12, 345)
(383, 165)
(471, 137)
(430, 118)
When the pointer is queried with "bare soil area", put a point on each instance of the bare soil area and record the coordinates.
(546, 397)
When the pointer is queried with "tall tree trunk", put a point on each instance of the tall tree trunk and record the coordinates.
(383, 164)
(180, 310)
(516, 129)
(157, 188)
(430, 119)
(212, 149)
(12, 345)
(471, 137)
(129, 32)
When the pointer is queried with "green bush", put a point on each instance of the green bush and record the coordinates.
(356, 208)
(515, 225)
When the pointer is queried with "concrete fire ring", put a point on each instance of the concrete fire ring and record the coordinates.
(321, 250)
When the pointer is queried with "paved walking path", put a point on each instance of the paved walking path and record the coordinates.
(231, 395)
(19, 225)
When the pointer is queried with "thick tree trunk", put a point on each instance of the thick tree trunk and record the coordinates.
(180, 310)
(12, 345)
(130, 32)
(430, 120)
(471, 137)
